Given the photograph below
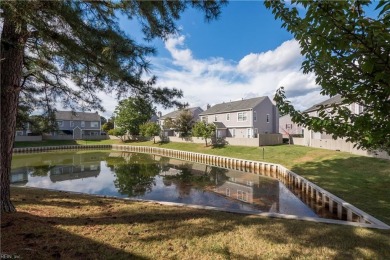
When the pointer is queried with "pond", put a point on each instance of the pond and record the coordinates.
(153, 177)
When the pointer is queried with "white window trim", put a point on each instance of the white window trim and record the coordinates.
(82, 123)
(71, 123)
(97, 123)
(267, 118)
(60, 122)
(243, 113)
(254, 116)
(228, 117)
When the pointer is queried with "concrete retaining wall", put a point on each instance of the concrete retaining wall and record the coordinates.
(298, 141)
(339, 145)
(28, 138)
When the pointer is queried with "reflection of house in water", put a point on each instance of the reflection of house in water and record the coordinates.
(19, 176)
(170, 172)
(251, 188)
(77, 166)
(72, 172)
(262, 192)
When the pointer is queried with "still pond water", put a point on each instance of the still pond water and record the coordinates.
(152, 177)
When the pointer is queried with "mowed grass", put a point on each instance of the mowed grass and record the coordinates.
(60, 225)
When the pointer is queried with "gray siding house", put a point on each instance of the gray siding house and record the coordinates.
(288, 128)
(78, 124)
(243, 119)
(195, 111)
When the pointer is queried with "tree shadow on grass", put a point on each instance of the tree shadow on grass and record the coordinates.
(76, 233)
(361, 181)
(28, 236)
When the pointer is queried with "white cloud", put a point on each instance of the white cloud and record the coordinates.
(216, 80)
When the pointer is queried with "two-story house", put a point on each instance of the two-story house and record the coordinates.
(78, 124)
(243, 119)
(288, 128)
(195, 111)
(325, 140)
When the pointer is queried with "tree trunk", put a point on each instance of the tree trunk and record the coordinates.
(13, 38)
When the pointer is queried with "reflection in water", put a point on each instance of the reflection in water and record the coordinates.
(154, 177)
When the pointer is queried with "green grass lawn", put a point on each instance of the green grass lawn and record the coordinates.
(58, 225)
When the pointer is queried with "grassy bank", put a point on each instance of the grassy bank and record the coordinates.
(361, 181)
(61, 225)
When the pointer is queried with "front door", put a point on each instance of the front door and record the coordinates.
(77, 133)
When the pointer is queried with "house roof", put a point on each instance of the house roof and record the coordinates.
(82, 116)
(234, 106)
(176, 113)
(220, 125)
(333, 100)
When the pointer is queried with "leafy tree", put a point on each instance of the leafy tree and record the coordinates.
(108, 126)
(135, 177)
(133, 112)
(103, 120)
(184, 122)
(348, 52)
(169, 123)
(46, 44)
(150, 129)
(118, 132)
(204, 130)
(41, 124)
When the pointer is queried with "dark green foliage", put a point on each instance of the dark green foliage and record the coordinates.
(108, 126)
(349, 54)
(131, 113)
(184, 122)
(150, 129)
(204, 130)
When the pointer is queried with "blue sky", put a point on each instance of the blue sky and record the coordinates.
(243, 54)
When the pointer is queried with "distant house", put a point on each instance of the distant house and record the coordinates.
(195, 111)
(25, 131)
(243, 119)
(78, 124)
(325, 140)
(288, 128)
(314, 111)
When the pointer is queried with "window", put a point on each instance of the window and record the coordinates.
(71, 123)
(19, 133)
(288, 126)
(215, 118)
(94, 124)
(256, 132)
(254, 116)
(60, 123)
(204, 119)
(242, 195)
(82, 123)
(267, 118)
(233, 132)
(241, 116)
(227, 117)
(228, 192)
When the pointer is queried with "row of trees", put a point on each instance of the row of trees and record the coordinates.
(132, 117)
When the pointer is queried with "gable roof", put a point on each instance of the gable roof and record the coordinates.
(176, 113)
(333, 100)
(234, 106)
(81, 116)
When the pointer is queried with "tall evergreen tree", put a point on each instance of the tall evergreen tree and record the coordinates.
(45, 45)
(348, 51)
